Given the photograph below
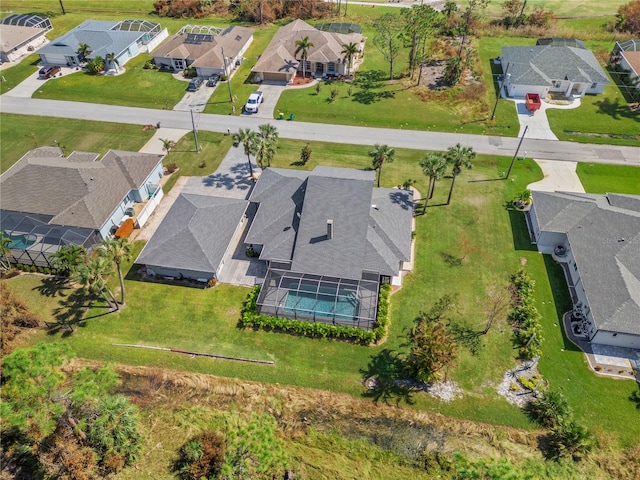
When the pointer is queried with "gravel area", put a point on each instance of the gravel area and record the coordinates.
(445, 391)
(519, 396)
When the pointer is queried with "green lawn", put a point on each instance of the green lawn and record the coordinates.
(21, 133)
(15, 75)
(600, 178)
(566, 8)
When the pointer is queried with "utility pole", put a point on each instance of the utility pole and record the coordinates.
(227, 72)
(513, 160)
(62, 7)
(504, 79)
(195, 133)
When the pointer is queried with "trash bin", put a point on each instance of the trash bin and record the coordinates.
(280, 116)
(291, 117)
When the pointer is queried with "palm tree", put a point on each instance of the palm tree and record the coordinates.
(450, 8)
(83, 50)
(550, 409)
(249, 140)
(116, 250)
(112, 59)
(96, 65)
(267, 140)
(92, 276)
(433, 165)
(302, 47)
(5, 252)
(167, 145)
(571, 439)
(349, 50)
(67, 258)
(381, 154)
(459, 157)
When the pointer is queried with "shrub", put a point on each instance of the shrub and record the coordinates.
(333, 94)
(305, 154)
(570, 439)
(212, 282)
(125, 229)
(201, 457)
(172, 167)
(524, 317)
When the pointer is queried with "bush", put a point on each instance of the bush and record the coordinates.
(125, 229)
(524, 317)
(570, 439)
(201, 457)
(172, 167)
(549, 409)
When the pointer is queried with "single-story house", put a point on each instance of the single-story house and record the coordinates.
(279, 62)
(203, 47)
(21, 34)
(596, 240)
(329, 239)
(48, 200)
(194, 237)
(126, 39)
(573, 71)
(627, 55)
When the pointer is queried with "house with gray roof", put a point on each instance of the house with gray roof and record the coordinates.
(21, 34)
(596, 240)
(203, 47)
(329, 239)
(278, 63)
(125, 38)
(552, 67)
(48, 200)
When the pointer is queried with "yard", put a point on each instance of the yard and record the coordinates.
(490, 240)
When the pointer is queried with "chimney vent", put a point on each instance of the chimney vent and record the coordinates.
(329, 229)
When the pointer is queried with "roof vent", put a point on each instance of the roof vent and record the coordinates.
(329, 229)
(375, 207)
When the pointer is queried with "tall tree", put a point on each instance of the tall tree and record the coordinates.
(67, 258)
(302, 48)
(112, 61)
(450, 7)
(349, 51)
(118, 250)
(420, 22)
(458, 157)
(93, 275)
(433, 165)
(5, 251)
(387, 38)
(474, 10)
(267, 143)
(249, 141)
(380, 155)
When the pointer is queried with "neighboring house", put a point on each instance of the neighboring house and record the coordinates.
(193, 238)
(596, 240)
(20, 35)
(48, 200)
(627, 55)
(202, 47)
(126, 38)
(552, 66)
(279, 62)
(329, 239)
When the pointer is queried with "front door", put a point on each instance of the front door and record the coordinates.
(319, 69)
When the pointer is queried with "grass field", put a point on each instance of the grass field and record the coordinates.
(599, 178)
(492, 241)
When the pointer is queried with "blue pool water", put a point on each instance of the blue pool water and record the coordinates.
(20, 242)
(324, 306)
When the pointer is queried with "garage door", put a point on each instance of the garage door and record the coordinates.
(274, 77)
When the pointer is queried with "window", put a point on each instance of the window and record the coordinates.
(575, 267)
(331, 67)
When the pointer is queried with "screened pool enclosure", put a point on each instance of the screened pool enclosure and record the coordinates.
(317, 298)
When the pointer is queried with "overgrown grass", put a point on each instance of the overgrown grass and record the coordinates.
(603, 178)
(21, 133)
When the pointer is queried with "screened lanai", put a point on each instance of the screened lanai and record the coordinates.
(317, 298)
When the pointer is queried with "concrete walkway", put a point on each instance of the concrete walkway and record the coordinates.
(558, 177)
(155, 145)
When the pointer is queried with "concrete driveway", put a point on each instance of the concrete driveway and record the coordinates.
(271, 93)
(537, 122)
(558, 177)
(33, 82)
(197, 100)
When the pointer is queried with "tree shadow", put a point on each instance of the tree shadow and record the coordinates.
(367, 97)
(370, 79)
(71, 313)
(53, 287)
(616, 110)
(384, 379)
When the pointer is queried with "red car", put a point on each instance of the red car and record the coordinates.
(48, 72)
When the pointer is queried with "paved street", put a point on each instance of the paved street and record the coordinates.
(538, 149)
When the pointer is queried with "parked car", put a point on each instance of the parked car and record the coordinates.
(50, 71)
(213, 80)
(252, 105)
(195, 84)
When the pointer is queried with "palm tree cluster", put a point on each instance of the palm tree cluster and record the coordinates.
(263, 144)
(92, 271)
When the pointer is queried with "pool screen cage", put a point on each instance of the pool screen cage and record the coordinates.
(318, 298)
(34, 240)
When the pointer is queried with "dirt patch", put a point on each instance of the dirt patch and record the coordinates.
(433, 75)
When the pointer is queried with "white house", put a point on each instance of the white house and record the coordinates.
(20, 35)
(596, 240)
(553, 67)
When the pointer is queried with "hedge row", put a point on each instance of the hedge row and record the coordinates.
(34, 268)
(251, 319)
(525, 318)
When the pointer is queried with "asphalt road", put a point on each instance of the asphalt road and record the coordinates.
(420, 140)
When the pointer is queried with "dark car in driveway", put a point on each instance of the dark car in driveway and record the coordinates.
(195, 84)
(50, 71)
(213, 80)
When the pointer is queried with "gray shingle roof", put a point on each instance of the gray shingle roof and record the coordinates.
(291, 221)
(76, 191)
(542, 64)
(195, 233)
(604, 235)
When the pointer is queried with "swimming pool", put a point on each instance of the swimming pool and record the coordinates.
(324, 304)
(22, 242)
